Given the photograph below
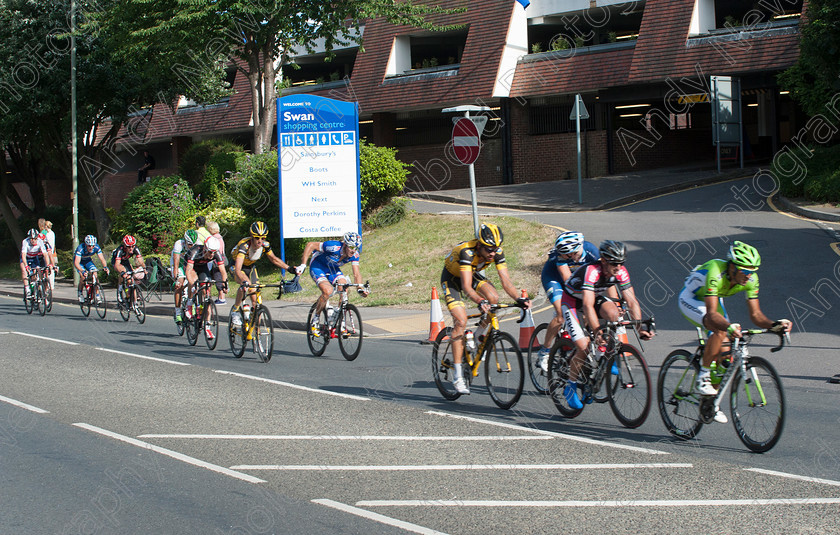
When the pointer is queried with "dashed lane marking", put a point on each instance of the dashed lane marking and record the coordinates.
(794, 476)
(23, 405)
(351, 437)
(414, 528)
(443, 467)
(597, 503)
(292, 385)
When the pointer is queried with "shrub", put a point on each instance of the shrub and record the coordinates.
(253, 187)
(233, 223)
(393, 212)
(156, 213)
(820, 183)
(382, 175)
(193, 166)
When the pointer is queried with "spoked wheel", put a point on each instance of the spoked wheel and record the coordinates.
(180, 325)
(40, 298)
(122, 305)
(317, 344)
(504, 370)
(629, 389)
(84, 304)
(28, 302)
(679, 402)
(558, 376)
(350, 335)
(139, 305)
(99, 301)
(263, 334)
(758, 405)
(192, 326)
(211, 325)
(443, 365)
(48, 296)
(538, 377)
(236, 335)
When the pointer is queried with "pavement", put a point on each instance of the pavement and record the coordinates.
(601, 193)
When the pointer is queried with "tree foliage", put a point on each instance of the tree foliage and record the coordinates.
(816, 77)
(195, 37)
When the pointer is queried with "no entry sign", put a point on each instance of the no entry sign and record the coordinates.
(465, 141)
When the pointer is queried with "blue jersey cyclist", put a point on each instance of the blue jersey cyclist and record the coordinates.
(570, 252)
(83, 260)
(701, 302)
(325, 268)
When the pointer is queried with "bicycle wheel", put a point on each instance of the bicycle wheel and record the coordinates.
(758, 405)
(122, 305)
(504, 370)
(629, 391)
(139, 305)
(679, 403)
(317, 344)
(263, 334)
(99, 300)
(211, 322)
(28, 302)
(84, 304)
(443, 365)
(48, 296)
(40, 298)
(558, 376)
(350, 332)
(236, 336)
(538, 377)
(192, 327)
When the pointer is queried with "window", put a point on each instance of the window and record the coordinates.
(551, 116)
(318, 69)
(752, 14)
(601, 25)
(436, 51)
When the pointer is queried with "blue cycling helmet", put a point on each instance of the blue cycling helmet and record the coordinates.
(90, 239)
(352, 239)
(568, 242)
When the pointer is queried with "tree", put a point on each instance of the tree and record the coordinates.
(190, 36)
(816, 77)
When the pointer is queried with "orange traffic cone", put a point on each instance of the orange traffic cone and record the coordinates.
(436, 323)
(526, 328)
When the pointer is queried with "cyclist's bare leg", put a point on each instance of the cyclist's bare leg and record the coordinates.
(459, 325)
(487, 291)
(326, 290)
(714, 346)
(554, 325)
(578, 358)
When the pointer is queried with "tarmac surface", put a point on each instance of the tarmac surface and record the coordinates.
(602, 193)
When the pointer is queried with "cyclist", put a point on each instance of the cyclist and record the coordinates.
(244, 256)
(570, 252)
(204, 262)
(177, 262)
(701, 302)
(33, 253)
(122, 258)
(83, 260)
(584, 292)
(325, 268)
(462, 274)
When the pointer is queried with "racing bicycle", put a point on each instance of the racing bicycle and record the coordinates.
(202, 316)
(40, 292)
(344, 323)
(131, 298)
(756, 397)
(92, 294)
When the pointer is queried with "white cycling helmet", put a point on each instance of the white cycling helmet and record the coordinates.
(352, 239)
(90, 239)
(212, 243)
(568, 242)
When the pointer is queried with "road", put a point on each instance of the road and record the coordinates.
(143, 434)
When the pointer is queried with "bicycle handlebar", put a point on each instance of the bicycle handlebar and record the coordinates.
(648, 325)
(783, 336)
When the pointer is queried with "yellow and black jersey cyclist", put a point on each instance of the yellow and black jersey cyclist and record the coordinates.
(462, 275)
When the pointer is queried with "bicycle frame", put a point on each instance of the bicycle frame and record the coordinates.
(344, 299)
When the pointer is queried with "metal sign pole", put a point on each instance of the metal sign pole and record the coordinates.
(577, 127)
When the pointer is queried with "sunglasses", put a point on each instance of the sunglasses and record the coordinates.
(747, 272)
(490, 250)
(615, 264)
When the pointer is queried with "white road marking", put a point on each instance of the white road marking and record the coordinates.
(414, 528)
(597, 503)
(176, 363)
(795, 476)
(550, 433)
(23, 405)
(349, 437)
(432, 467)
(46, 338)
(170, 453)
(292, 385)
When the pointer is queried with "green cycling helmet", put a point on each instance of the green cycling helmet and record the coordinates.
(743, 255)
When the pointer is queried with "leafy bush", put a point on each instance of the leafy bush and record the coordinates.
(821, 182)
(253, 187)
(220, 153)
(382, 175)
(393, 212)
(233, 222)
(156, 213)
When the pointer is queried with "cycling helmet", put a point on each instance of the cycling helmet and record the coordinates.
(32, 234)
(129, 240)
(352, 239)
(90, 239)
(568, 243)
(190, 236)
(490, 235)
(259, 230)
(743, 255)
(212, 243)
(613, 252)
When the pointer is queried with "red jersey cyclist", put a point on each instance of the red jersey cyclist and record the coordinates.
(701, 302)
(585, 291)
(462, 274)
